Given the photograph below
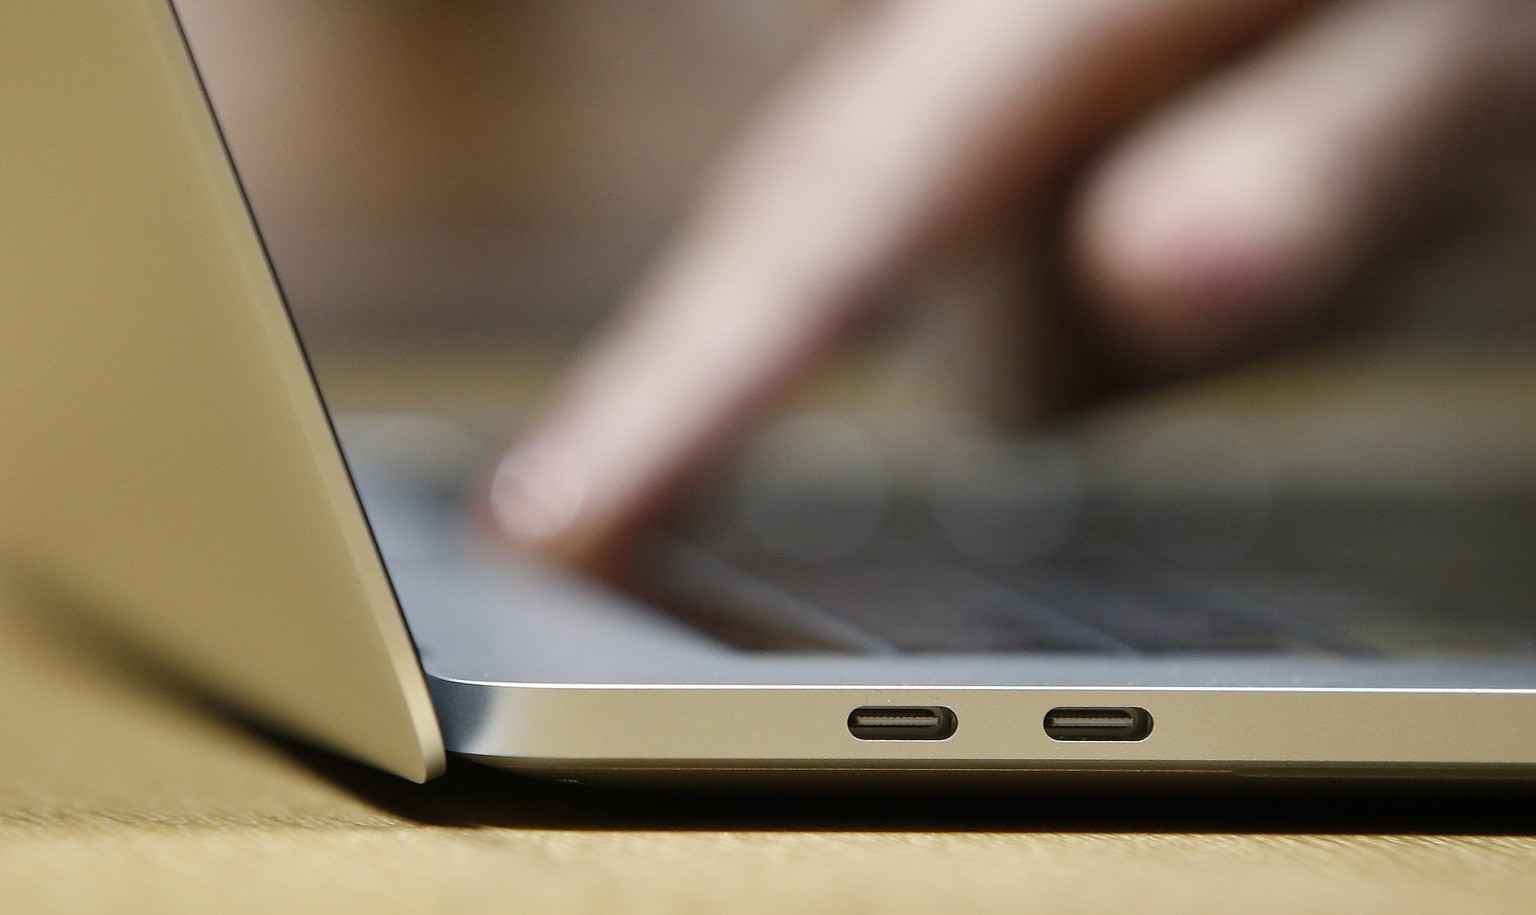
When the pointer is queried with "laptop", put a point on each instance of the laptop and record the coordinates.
(167, 462)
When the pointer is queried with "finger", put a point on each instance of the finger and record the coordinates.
(910, 127)
(1228, 218)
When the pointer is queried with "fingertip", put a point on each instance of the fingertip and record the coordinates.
(1185, 276)
(539, 501)
(535, 496)
(1233, 215)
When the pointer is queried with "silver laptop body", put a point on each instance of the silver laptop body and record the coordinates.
(166, 461)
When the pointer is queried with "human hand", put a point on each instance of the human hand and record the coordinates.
(1250, 157)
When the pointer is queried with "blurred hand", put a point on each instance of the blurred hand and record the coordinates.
(1249, 156)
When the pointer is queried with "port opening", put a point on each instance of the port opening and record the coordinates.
(1098, 724)
(877, 722)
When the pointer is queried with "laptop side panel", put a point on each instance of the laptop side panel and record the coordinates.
(165, 459)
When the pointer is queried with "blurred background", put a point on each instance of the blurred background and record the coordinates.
(468, 186)
(468, 169)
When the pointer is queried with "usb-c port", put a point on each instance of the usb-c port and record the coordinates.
(875, 722)
(1098, 724)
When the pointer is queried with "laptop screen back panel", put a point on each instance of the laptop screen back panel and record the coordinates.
(165, 459)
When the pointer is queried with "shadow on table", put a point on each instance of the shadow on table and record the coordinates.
(475, 795)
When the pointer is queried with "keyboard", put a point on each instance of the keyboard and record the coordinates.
(1320, 574)
(1027, 560)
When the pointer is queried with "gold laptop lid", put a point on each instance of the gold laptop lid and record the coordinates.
(164, 456)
